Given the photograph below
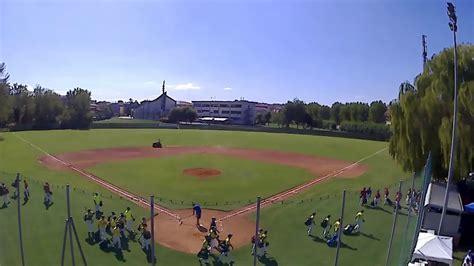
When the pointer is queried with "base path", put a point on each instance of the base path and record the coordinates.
(186, 237)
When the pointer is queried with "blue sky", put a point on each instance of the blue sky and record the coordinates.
(261, 50)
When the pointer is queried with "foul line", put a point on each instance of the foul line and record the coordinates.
(100, 181)
(298, 188)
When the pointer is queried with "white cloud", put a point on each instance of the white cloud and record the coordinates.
(185, 87)
(227, 89)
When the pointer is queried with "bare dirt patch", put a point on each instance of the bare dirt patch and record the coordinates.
(201, 173)
(187, 237)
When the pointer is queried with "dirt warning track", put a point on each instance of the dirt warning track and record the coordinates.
(186, 237)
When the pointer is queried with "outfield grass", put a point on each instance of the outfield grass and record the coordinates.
(289, 243)
(240, 180)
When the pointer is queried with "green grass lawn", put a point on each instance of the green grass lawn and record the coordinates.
(289, 243)
(240, 180)
(43, 231)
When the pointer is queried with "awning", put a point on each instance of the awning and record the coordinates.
(431, 247)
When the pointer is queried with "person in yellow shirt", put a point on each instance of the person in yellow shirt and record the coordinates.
(203, 253)
(337, 226)
(116, 237)
(130, 219)
(98, 203)
(359, 220)
(102, 224)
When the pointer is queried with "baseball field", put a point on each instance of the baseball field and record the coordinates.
(223, 171)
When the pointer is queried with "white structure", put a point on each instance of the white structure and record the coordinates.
(236, 112)
(432, 210)
(430, 247)
(157, 108)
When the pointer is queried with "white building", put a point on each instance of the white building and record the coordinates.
(236, 112)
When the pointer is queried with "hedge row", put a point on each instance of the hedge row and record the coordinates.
(366, 128)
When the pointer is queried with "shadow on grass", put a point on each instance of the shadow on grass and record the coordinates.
(318, 239)
(47, 205)
(4, 206)
(371, 236)
(344, 245)
(268, 261)
(105, 247)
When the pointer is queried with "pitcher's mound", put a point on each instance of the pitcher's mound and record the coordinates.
(201, 172)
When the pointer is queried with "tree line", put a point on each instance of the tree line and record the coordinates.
(42, 108)
(356, 117)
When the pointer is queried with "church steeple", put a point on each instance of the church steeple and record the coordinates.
(163, 88)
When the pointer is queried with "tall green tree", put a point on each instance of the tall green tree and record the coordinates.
(336, 112)
(422, 117)
(48, 108)
(377, 112)
(22, 102)
(5, 105)
(79, 114)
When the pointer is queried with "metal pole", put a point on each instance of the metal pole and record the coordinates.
(342, 226)
(393, 227)
(17, 181)
(78, 242)
(257, 228)
(453, 135)
(71, 243)
(410, 200)
(152, 217)
(64, 244)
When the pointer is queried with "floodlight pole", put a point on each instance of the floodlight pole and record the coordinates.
(339, 232)
(453, 26)
(389, 250)
(257, 228)
(68, 230)
(152, 221)
(17, 182)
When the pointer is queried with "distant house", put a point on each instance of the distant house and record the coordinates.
(157, 108)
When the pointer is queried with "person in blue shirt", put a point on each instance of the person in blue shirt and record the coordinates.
(197, 212)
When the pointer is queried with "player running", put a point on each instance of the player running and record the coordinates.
(326, 226)
(310, 222)
(48, 199)
(359, 220)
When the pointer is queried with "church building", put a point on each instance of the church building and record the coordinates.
(157, 108)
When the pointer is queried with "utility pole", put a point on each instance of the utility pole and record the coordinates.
(454, 28)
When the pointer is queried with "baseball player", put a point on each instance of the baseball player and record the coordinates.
(326, 226)
(130, 219)
(146, 239)
(255, 241)
(4, 193)
(102, 223)
(310, 222)
(48, 199)
(204, 253)
(88, 218)
(262, 244)
(213, 239)
(226, 247)
(26, 191)
(116, 237)
(337, 226)
(98, 203)
(359, 220)
(197, 212)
